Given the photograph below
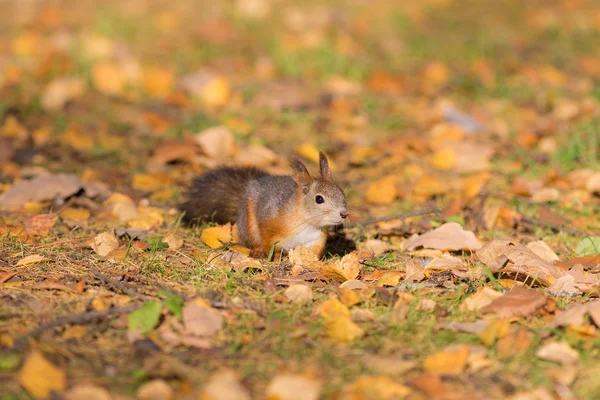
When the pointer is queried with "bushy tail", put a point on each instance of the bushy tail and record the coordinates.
(217, 194)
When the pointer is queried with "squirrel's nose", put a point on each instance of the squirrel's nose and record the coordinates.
(344, 213)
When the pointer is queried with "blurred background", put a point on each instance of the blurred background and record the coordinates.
(110, 87)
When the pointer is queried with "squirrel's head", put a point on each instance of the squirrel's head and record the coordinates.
(324, 201)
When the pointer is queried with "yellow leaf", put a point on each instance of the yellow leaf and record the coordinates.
(349, 297)
(147, 218)
(150, 182)
(32, 259)
(75, 332)
(447, 362)
(389, 278)
(293, 387)
(473, 184)
(309, 151)
(496, 329)
(444, 159)
(215, 236)
(429, 186)
(382, 191)
(108, 78)
(342, 328)
(79, 214)
(78, 140)
(380, 387)
(332, 308)
(216, 93)
(26, 44)
(159, 82)
(40, 377)
(13, 129)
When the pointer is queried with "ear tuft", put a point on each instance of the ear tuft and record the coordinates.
(324, 166)
(301, 175)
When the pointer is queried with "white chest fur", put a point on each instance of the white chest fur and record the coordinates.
(307, 237)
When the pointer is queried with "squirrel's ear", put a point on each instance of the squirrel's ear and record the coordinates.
(301, 175)
(324, 165)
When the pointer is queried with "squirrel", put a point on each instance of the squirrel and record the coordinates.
(270, 210)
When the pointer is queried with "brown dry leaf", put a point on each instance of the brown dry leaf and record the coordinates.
(480, 299)
(87, 392)
(156, 389)
(60, 91)
(299, 293)
(448, 237)
(215, 236)
(349, 265)
(159, 82)
(29, 260)
(104, 243)
(40, 377)
(40, 225)
(514, 344)
(445, 262)
(217, 142)
(382, 191)
(173, 150)
(378, 387)
(41, 188)
(109, 78)
(361, 315)
(428, 186)
(414, 272)
(224, 385)
(507, 256)
(173, 240)
(200, 319)
(304, 257)
(255, 155)
(390, 365)
(293, 387)
(520, 301)
(375, 246)
(558, 352)
(542, 250)
(574, 315)
(451, 361)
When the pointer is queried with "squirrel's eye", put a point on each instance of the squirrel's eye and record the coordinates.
(319, 199)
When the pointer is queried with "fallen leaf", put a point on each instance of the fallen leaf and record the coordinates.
(332, 307)
(156, 389)
(213, 90)
(361, 315)
(173, 240)
(293, 387)
(564, 287)
(224, 385)
(588, 246)
(514, 344)
(88, 392)
(299, 293)
(342, 329)
(382, 191)
(507, 256)
(29, 260)
(451, 361)
(40, 225)
(378, 387)
(104, 243)
(520, 301)
(483, 297)
(159, 82)
(542, 250)
(42, 188)
(309, 151)
(215, 236)
(414, 272)
(60, 91)
(348, 297)
(201, 320)
(574, 314)
(448, 237)
(145, 318)
(108, 78)
(494, 330)
(217, 142)
(40, 377)
(558, 352)
(389, 365)
(349, 265)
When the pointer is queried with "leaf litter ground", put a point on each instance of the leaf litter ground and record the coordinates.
(465, 136)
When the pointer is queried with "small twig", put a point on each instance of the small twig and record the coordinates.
(80, 319)
(403, 216)
(114, 284)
